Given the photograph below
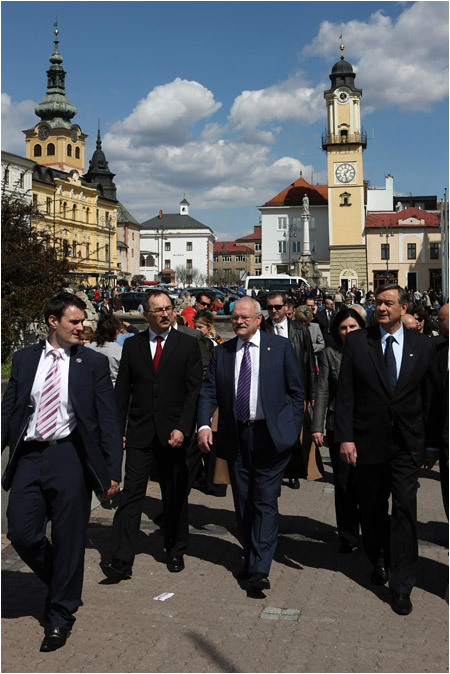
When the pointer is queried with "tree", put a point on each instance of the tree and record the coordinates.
(32, 272)
(138, 279)
(180, 274)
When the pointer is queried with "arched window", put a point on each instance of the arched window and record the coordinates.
(87, 215)
(77, 153)
(37, 152)
(50, 149)
(64, 209)
(74, 212)
(69, 150)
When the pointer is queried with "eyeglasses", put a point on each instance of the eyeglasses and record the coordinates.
(274, 307)
(163, 310)
(241, 318)
(205, 304)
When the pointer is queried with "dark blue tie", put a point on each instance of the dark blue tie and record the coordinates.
(243, 389)
(391, 367)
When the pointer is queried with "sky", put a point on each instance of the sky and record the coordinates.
(222, 102)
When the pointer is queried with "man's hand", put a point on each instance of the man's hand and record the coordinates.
(112, 491)
(430, 459)
(318, 439)
(348, 453)
(311, 403)
(205, 440)
(176, 438)
(124, 441)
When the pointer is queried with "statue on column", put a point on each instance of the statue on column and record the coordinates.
(306, 205)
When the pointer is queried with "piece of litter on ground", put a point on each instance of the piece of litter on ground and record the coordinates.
(164, 596)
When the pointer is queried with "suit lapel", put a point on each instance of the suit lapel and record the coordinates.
(409, 359)
(144, 346)
(34, 363)
(229, 361)
(376, 356)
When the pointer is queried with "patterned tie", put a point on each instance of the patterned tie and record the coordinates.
(391, 367)
(48, 407)
(158, 352)
(244, 383)
(278, 329)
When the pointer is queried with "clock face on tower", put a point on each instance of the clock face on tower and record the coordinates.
(342, 96)
(43, 132)
(345, 173)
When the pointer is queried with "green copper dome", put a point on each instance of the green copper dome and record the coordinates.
(55, 108)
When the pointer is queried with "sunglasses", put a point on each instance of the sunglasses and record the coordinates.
(274, 307)
(205, 304)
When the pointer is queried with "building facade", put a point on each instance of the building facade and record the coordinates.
(128, 244)
(176, 248)
(17, 176)
(232, 262)
(404, 247)
(253, 241)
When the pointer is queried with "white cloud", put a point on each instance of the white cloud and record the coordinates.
(166, 113)
(399, 62)
(15, 117)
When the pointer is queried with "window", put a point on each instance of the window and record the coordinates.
(87, 251)
(215, 258)
(132, 252)
(106, 253)
(412, 251)
(226, 258)
(258, 272)
(74, 248)
(240, 258)
(166, 264)
(35, 201)
(257, 247)
(385, 255)
(48, 205)
(312, 246)
(69, 150)
(21, 180)
(188, 245)
(74, 212)
(98, 251)
(77, 153)
(434, 251)
(296, 246)
(296, 223)
(132, 236)
(167, 246)
(96, 216)
(281, 246)
(50, 150)
(215, 272)
(257, 259)
(312, 223)
(6, 176)
(87, 215)
(188, 264)
(37, 151)
(227, 272)
(281, 223)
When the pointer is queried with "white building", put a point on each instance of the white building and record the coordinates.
(282, 228)
(128, 244)
(17, 174)
(381, 198)
(176, 247)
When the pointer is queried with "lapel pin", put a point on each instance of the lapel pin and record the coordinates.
(268, 348)
(411, 354)
(79, 360)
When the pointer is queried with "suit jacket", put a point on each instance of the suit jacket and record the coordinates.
(366, 412)
(325, 400)
(280, 389)
(317, 339)
(300, 338)
(192, 332)
(92, 398)
(156, 403)
(437, 388)
(321, 318)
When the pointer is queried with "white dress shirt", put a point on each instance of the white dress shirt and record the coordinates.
(397, 346)
(65, 420)
(281, 329)
(256, 411)
(154, 342)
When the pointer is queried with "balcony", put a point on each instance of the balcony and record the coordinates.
(344, 139)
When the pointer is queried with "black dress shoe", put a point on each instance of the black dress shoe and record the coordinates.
(117, 570)
(293, 483)
(401, 603)
(175, 563)
(55, 637)
(379, 575)
(260, 581)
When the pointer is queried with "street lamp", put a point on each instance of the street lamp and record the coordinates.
(107, 222)
(160, 237)
(387, 235)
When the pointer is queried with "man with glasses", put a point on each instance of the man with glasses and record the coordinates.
(253, 380)
(203, 300)
(300, 339)
(157, 387)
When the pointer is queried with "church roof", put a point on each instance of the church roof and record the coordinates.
(125, 216)
(173, 221)
(294, 193)
(409, 217)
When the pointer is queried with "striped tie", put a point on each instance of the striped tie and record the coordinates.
(244, 384)
(48, 408)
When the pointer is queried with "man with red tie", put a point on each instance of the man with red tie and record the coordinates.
(157, 387)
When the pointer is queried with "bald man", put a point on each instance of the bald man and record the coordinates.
(409, 322)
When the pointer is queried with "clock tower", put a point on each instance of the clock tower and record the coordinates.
(344, 142)
(56, 141)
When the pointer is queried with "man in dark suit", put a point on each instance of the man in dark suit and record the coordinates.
(437, 422)
(325, 318)
(60, 420)
(300, 338)
(157, 388)
(380, 422)
(254, 381)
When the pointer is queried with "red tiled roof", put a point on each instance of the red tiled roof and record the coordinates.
(293, 195)
(230, 247)
(254, 236)
(403, 219)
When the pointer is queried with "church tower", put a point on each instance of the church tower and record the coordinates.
(99, 174)
(55, 141)
(344, 142)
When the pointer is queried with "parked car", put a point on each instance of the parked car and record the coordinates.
(131, 301)
(214, 292)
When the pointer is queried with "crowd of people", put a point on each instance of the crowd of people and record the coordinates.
(367, 376)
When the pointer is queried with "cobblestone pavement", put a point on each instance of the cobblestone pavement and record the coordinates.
(321, 615)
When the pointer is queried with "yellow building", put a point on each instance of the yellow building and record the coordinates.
(404, 248)
(77, 210)
(344, 142)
